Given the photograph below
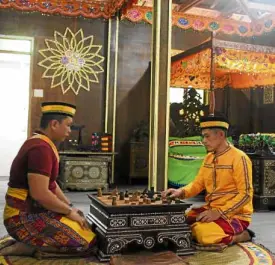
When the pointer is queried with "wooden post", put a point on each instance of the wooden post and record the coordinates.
(111, 85)
(212, 79)
(159, 96)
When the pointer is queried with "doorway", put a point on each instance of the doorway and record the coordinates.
(15, 72)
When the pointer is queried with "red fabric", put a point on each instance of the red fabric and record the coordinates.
(35, 156)
(230, 227)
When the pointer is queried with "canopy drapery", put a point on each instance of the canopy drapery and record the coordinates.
(202, 22)
(237, 65)
(85, 8)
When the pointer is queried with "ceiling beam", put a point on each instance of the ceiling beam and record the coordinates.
(260, 6)
(185, 5)
(243, 5)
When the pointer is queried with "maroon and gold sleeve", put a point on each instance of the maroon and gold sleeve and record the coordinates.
(40, 160)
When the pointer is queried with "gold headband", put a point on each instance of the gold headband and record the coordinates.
(58, 109)
(213, 124)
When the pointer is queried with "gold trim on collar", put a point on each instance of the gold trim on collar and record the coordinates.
(209, 124)
(49, 141)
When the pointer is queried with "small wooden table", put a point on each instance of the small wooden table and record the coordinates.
(85, 170)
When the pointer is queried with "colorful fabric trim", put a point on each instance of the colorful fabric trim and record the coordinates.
(200, 23)
(72, 8)
(185, 143)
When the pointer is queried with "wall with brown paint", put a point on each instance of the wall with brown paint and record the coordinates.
(90, 105)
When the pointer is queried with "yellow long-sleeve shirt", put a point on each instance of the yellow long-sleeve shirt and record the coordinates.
(227, 179)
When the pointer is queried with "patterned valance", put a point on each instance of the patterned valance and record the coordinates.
(200, 23)
(85, 8)
(244, 66)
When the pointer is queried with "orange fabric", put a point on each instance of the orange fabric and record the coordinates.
(227, 179)
(220, 231)
(236, 68)
(89, 9)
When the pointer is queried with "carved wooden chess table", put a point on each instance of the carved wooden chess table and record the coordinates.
(146, 225)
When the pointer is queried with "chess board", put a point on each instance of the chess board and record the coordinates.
(105, 202)
(146, 225)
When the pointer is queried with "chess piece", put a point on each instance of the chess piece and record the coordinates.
(126, 194)
(121, 196)
(115, 192)
(148, 201)
(145, 191)
(99, 192)
(114, 201)
(126, 200)
(134, 197)
(177, 201)
(145, 198)
(169, 201)
(140, 201)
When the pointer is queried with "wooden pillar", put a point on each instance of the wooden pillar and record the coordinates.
(111, 84)
(159, 96)
(212, 79)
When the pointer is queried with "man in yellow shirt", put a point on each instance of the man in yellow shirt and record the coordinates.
(226, 175)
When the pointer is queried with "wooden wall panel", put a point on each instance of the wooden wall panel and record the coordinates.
(90, 105)
(133, 88)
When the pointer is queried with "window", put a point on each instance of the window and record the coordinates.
(15, 45)
(176, 94)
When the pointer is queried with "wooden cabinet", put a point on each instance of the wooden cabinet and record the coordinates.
(84, 170)
(263, 182)
(139, 160)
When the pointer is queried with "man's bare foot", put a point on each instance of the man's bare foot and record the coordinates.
(242, 237)
(17, 249)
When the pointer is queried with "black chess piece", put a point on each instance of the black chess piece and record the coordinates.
(145, 191)
(126, 195)
(151, 193)
(121, 196)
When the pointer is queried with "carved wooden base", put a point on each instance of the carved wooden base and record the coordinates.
(114, 243)
(263, 203)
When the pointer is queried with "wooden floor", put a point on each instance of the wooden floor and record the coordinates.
(263, 223)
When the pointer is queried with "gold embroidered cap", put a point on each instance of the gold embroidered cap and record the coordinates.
(60, 108)
(212, 122)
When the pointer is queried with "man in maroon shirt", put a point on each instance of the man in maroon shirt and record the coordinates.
(37, 215)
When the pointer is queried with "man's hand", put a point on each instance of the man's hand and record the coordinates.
(208, 216)
(77, 216)
(173, 193)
